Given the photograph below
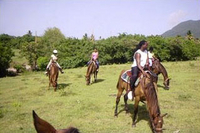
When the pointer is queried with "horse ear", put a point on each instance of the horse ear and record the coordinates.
(164, 115)
(41, 126)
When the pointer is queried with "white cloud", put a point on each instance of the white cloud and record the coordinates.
(177, 17)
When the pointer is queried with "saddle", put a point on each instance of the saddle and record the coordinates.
(127, 75)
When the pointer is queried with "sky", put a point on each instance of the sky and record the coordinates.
(102, 18)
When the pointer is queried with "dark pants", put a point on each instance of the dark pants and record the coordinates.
(97, 63)
(134, 72)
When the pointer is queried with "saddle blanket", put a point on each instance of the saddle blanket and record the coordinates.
(126, 77)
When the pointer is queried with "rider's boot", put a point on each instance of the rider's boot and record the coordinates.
(47, 71)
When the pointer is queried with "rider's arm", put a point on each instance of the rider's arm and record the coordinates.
(147, 61)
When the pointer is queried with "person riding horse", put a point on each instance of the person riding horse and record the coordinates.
(53, 59)
(94, 57)
(140, 60)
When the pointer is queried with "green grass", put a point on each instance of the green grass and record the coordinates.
(91, 108)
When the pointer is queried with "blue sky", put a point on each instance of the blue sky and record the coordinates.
(103, 18)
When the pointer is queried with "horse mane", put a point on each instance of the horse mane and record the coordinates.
(152, 100)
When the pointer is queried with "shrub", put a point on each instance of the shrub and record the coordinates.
(42, 62)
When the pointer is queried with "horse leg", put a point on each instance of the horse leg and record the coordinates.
(49, 83)
(118, 99)
(95, 76)
(55, 85)
(125, 101)
(137, 99)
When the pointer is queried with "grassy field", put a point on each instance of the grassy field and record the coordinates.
(91, 108)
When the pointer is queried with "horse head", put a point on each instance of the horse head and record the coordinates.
(92, 69)
(87, 78)
(158, 123)
(42, 126)
(166, 83)
(158, 68)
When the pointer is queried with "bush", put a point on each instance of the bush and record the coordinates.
(19, 68)
(42, 62)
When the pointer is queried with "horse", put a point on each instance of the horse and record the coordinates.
(92, 69)
(158, 68)
(42, 126)
(53, 76)
(145, 90)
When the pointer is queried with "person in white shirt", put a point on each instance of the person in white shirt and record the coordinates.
(151, 56)
(140, 61)
(54, 59)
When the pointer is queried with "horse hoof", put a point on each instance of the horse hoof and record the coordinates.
(166, 88)
(127, 112)
(133, 125)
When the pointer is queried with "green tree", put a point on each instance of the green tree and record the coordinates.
(5, 53)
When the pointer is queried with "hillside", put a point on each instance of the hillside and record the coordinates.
(183, 28)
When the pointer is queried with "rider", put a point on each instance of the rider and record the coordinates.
(140, 60)
(54, 59)
(94, 57)
(152, 57)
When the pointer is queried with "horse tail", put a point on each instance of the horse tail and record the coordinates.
(118, 83)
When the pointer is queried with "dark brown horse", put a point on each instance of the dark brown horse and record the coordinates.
(53, 76)
(92, 69)
(42, 126)
(158, 68)
(145, 90)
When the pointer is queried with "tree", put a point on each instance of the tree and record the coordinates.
(52, 38)
(5, 53)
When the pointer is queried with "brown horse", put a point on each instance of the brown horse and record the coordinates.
(42, 126)
(145, 90)
(53, 76)
(158, 68)
(92, 69)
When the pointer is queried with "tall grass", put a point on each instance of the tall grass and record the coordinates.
(91, 108)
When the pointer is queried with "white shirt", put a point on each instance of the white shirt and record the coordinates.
(150, 55)
(143, 58)
(54, 58)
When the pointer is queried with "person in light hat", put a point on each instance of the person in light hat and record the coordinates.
(54, 59)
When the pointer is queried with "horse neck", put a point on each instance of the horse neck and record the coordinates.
(90, 68)
(152, 100)
(163, 71)
(53, 67)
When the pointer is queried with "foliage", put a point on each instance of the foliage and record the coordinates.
(42, 63)
(73, 52)
(5, 54)
(19, 68)
(31, 51)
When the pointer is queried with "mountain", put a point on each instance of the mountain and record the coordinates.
(183, 28)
